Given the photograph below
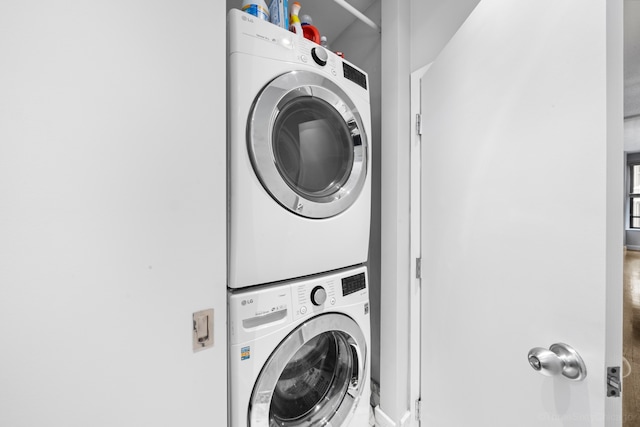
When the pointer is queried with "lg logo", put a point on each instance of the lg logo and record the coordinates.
(247, 301)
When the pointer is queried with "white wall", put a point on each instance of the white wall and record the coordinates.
(394, 271)
(112, 212)
(433, 23)
(361, 46)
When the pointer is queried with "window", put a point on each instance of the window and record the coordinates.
(634, 196)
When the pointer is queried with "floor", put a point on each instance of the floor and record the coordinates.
(631, 346)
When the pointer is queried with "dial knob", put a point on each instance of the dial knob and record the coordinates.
(318, 295)
(319, 55)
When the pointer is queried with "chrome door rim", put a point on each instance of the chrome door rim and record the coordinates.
(264, 112)
(260, 402)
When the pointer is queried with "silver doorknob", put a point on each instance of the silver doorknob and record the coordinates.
(558, 359)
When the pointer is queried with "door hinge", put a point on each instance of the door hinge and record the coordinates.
(418, 268)
(418, 410)
(419, 124)
(614, 386)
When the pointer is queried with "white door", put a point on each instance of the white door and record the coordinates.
(522, 214)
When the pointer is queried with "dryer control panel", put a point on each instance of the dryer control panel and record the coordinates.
(261, 38)
(311, 53)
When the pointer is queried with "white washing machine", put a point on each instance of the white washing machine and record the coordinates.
(299, 156)
(299, 353)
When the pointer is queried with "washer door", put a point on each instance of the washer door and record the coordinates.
(315, 376)
(307, 144)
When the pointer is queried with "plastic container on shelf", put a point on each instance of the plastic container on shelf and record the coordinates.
(296, 25)
(256, 8)
(310, 32)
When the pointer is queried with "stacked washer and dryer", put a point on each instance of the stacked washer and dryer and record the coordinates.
(299, 201)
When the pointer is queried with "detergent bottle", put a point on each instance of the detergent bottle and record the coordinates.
(295, 26)
(308, 30)
(256, 8)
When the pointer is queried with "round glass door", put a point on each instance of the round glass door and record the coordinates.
(313, 382)
(307, 144)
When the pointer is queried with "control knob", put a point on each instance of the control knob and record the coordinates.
(318, 295)
(319, 55)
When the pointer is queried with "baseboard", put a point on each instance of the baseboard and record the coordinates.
(633, 248)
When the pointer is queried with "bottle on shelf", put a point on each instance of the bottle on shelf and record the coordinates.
(294, 19)
(256, 8)
(309, 31)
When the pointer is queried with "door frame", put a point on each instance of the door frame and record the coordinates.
(616, 200)
(415, 251)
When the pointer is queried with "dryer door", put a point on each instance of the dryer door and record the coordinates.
(315, 377)
(307, 144)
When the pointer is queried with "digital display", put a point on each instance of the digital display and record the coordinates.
(353, 284)
(354, 75)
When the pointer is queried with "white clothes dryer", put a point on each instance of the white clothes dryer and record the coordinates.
(299, 156)
(299, 353)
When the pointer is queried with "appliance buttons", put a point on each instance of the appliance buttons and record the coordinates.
(303, 310)
(303, 58)
(319, 55)
(318, 295)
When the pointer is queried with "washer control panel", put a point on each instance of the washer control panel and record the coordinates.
(269, 307)
(262, 309)
(310, 297)
(328, 292)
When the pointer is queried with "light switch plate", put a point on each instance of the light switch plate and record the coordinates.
(202, 330)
